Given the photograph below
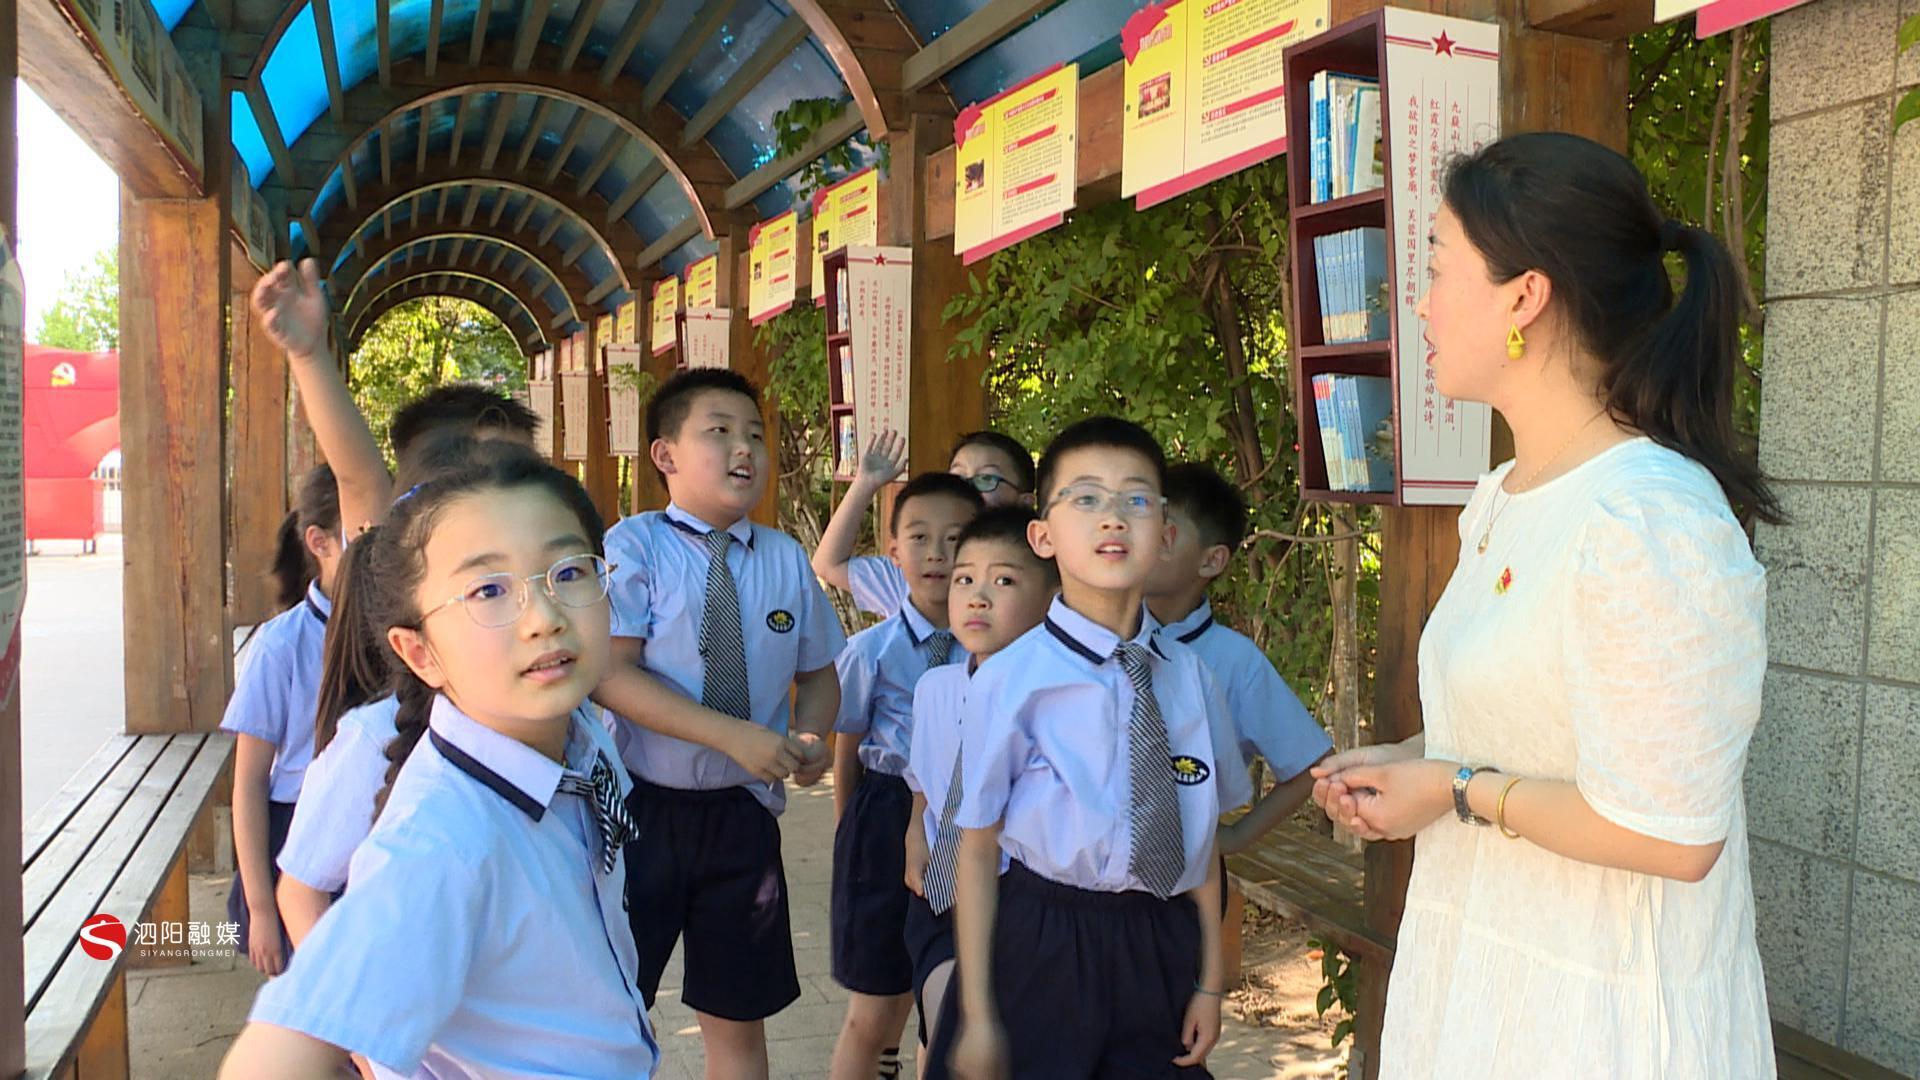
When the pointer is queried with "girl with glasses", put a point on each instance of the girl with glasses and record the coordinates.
(485, 931)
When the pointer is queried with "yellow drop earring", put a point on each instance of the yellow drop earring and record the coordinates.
(1516, 345)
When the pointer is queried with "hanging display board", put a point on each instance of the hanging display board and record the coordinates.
(848, 213)
(1441, 97)
(772, 261)
(13, 492)
(540, 399)
(879, 305)
(604, 329)
(625, 362)
(708, 332)
(703, 282)
(663, 313)
(625, 330)
(573, 405)
(1205, 90)
(130, 37)
(1715, 16)
(1015, 167)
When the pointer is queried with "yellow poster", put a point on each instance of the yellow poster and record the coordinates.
(770, 285)
(848, 213)
(624, 318)
(1020, 180)
(703, 282)
(666, 305)
(604, 326)
(1205, 90)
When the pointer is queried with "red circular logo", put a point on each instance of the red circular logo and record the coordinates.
(103, 937)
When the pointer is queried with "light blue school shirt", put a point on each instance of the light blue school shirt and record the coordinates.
(878, 671)
(277, 687)
(336, 805)
(877, 584)
(937, 704)
(659, 594)
(481, 937)
(1268, 718)
(1044, 737)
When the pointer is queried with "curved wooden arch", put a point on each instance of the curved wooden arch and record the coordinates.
(502, 304)
(339, 239)
(357, 320)
(530, 295)
(823, 18)
(571, 281)
(706, 196)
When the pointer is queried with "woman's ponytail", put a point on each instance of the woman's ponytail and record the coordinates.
(292, 566)
(354, 667)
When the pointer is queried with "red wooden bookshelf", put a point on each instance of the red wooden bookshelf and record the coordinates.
(833, 267)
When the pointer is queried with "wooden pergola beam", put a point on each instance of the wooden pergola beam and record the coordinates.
(350, 189)
(868, 44)
(504, 106)
(638, 20)
(580, 247)
(636, 190)
(831, 134)
(583, 20)
(420, 138)
(478, 42)
(1606, 20)
(609, 150)
(967, 39)
(383, 30)
(667, 244)
(436, 11)
(472, 207)
(448, 242)
(778, 46)
(575, 129)
(502, 303)
(712, 15)
(459, 128)
(369, 286)
(269, 127)
(329, 58)
(535, 127)
(533, 19)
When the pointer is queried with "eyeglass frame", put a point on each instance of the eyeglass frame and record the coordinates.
(526, 591)
(974, 482)
(1111, 502)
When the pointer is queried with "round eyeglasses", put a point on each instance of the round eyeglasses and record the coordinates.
(986, 482)
(496, 600)
(1091, 498)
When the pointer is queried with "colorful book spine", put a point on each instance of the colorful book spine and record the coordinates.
(1322, 162)
(1374, 323)
(1373, 397)
(1329, 431)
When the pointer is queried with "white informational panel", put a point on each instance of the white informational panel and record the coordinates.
(13, 492)
(540, 400)
(708, 332)
(573, 405)
(880, 296)
(1443, 76)
(625, 362)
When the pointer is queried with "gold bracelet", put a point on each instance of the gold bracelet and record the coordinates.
(1500, 809)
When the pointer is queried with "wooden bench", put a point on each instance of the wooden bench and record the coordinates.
(1297, 872)
(111, 841)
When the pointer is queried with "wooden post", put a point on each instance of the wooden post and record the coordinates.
(747, 359)
(259, 451)
(949, 396)
(303, 450)
(173, 293)
(602, 474)
(13, 1009)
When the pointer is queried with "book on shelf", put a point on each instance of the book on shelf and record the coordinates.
(1355, 416)
(1351, 266)
(848, 444)
(1345, 140)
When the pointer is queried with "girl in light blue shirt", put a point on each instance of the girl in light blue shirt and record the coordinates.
(484, 933)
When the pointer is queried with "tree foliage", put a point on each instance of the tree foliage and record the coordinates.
(428, 342)
(86, 314)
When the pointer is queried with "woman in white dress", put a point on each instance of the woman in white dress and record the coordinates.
(1580, 904)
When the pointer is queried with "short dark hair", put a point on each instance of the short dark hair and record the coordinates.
(465, 405)
(1007, 524)
(1021, 457)
(933, 483)
(1197, 490)
(1104, 432)
(674, 400)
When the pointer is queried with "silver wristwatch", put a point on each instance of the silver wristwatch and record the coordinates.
(1460, 809)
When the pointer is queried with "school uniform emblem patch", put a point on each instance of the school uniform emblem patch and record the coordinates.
(1189, 770)
(780, 622)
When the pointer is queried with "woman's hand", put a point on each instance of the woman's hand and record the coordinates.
(1200, 1029)
(1389, 801)
(1325, 771)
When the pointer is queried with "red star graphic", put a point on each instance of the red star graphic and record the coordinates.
(1443, 45)
(880, 259)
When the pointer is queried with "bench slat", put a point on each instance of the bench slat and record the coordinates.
(48, 820)
(71, 847)
(65, 986)
(82, 893)
(1315, 879)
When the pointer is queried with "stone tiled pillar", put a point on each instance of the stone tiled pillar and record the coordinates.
(1833, 786)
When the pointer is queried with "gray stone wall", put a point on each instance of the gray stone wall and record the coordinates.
(1833, 786)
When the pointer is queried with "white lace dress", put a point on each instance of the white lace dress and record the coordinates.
(1613, 634)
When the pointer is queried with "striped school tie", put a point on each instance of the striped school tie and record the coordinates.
(1158, 858)
(939, 648)
(942, 863)
(602, 792)
(723, 649)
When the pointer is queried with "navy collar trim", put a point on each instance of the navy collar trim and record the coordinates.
(501, 786)
(314, 609)
(1087, 654)
(691, 531)
(1193, 635)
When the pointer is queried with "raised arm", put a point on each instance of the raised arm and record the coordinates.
(290, 305)
(886, 458)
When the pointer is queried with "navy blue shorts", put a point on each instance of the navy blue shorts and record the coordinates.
(868, 907)
(1089, 984)
(929, 944)
(279, 822)
(705, 865)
